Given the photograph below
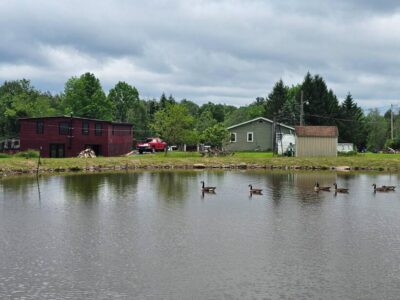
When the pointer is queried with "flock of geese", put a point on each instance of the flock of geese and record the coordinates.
(383, 188)
(211, 189)
(317, 188)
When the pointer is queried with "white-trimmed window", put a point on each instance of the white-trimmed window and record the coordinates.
(250, 137)
(233, 137)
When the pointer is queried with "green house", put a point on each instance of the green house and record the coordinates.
(255, 135)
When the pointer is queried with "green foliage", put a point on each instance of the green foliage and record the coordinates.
(5, 155)
(276, 100)
(174, 124)
(290, 111)
(19, 99)
(216, 135)
(217, 111)
(138, 116)
(351, 123)
(323, 106)
(394, 144)
(84, 97)
(377, 130)
(123, 98)
(127, 107)
(164, 101)
(28, 154)
(192, 107)
(245, 113)
(204, 121)
(350, 153)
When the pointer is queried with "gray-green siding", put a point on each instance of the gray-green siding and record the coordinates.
(262, 136)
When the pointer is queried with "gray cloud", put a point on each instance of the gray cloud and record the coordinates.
(223, 51)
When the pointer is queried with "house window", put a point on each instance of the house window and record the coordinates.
(233, 137)
(85, 128)
(250, 137)
(39, 127)
(97, 129)
(63, 128)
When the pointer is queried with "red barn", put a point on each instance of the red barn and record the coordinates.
(64, 136)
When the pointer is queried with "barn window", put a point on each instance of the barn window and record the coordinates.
(63, 128)
(39, 127)
(233, 137)
(97, 129)
(250, 137)
(85, 127)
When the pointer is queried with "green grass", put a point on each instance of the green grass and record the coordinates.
(374, 161)
(379, 155)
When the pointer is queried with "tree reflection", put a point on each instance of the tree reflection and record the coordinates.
(23, 186)
(123, 185)
(85, 186)
(174, 185)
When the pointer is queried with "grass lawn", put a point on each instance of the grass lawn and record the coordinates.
(9, 164)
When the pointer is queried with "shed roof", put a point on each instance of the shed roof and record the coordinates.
(258, 119)
(317, 131)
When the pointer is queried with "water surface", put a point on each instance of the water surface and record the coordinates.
(152, 235)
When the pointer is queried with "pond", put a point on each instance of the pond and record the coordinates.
(153, 235)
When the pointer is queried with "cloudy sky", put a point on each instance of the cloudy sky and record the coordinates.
(212, 50)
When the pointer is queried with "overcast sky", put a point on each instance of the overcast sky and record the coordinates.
(221, 51)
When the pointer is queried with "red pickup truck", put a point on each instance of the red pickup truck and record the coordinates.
(151, 144)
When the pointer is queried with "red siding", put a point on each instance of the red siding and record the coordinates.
(111, 144)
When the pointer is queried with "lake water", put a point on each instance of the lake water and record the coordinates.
(152, 235)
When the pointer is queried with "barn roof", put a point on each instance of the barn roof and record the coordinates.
(317, 131)
(73, 117)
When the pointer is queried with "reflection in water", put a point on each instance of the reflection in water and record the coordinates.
(38, 188)
(85, 188)
(155, 235)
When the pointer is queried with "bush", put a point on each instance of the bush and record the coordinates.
(394, 144)
(4, 155)
(28, 154)
(350, 153)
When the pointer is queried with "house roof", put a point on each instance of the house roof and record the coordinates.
(257, 119)
(80, 118)
(317, 131)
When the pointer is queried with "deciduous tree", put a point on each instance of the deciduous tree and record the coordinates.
(84, 97)
(174, 124)
(123, 98)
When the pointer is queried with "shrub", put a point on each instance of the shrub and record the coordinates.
(4, 155)
(28, 154)
(350, 153)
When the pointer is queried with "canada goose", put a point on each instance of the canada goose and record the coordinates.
(380, 189)
(389, 187)
(254, 191)
(340, 190)
(318, 188)
(208, 189)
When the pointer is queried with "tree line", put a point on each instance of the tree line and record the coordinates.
(185, 122)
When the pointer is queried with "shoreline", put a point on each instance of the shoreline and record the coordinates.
(28, 169)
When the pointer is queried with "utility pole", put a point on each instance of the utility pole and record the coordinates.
(391, 121)
(273, 135)
(301, 109)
